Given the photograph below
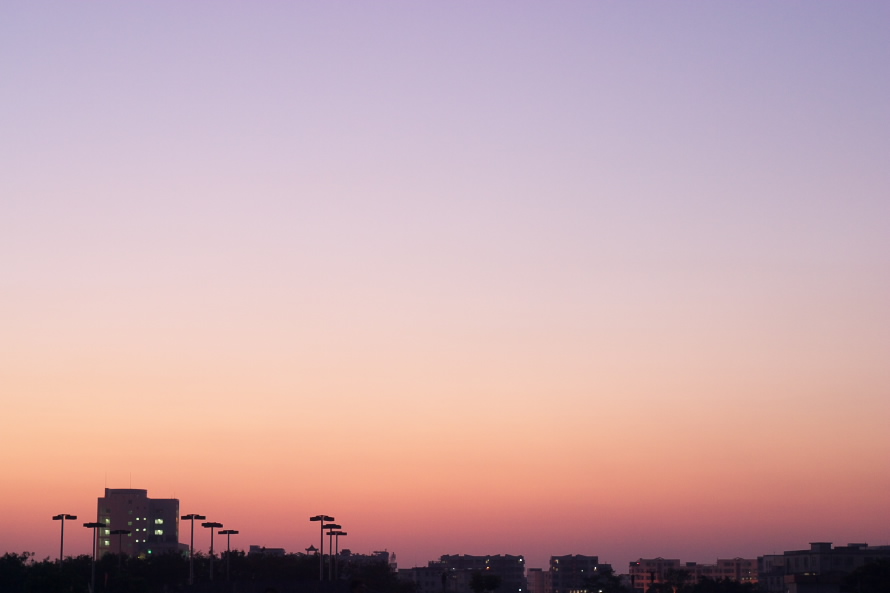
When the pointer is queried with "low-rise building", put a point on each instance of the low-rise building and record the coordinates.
(572, 573)
(454, 573)
(538, 580)
(646, 572)
(820, 567)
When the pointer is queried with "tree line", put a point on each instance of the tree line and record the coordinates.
(169, 573)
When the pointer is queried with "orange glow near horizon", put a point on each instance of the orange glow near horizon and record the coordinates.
(538, 278)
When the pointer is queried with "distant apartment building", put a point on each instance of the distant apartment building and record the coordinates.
(538, 580)
(646, 572)
(571, 574)
(740, 570)
(152, 523)
(822, 567)
(453, 573)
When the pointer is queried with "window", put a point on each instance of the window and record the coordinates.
(159, 521)
(159, 532)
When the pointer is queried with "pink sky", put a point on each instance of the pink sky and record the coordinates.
(500, 278)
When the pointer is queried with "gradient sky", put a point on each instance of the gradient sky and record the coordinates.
(535, 278)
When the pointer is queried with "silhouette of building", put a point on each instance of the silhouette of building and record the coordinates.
(153, 523)
(740, 570)
(538, 580)
(453, 573)
(510, 569)
(822, 567)
(646, 572)
(570, 574)
(426, 579)
(255, 550)
(347, 558)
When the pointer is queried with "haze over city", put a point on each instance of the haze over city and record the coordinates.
(534, 278)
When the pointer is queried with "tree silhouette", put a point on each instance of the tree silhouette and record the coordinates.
(480, 581)
(873, 577)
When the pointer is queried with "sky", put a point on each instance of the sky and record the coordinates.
(539, 278)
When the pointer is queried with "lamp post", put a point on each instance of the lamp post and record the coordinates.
(211, 526)
(321, 518)
(337, 535)
(331, 527)
(192, 518)
(95, 527)
(62, 518)
(120, 533)
(228, 533)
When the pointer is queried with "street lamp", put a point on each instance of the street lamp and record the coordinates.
(119, 533)
(192, 518)
(211, 525)
(95, 526)
(331, 527)
(228, 533)
(321, 518)
(62, 518)
(337, 535)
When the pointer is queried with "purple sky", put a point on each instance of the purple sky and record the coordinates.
(645, 239)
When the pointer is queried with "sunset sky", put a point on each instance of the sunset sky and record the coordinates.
(501, 277)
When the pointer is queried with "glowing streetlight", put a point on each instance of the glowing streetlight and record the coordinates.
(211, 526)
(228, 533)
(321, 518)
(192, 518)
(62, 518)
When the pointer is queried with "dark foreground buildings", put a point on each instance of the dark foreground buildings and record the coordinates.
(822, 568)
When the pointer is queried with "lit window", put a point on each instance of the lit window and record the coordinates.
(129, 522)
(107, 532)
(105, 542)
(159, 521)
(159, 532)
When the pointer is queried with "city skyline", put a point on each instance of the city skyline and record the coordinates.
(503, 278)
(405, 560)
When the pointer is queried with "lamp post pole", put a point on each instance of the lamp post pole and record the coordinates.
(120, 555)
(337, 535)
(331, 527)
(95, 527)
(192, 518)
(211, 525)
(228, 533)
(62, 518)
(321, 518)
